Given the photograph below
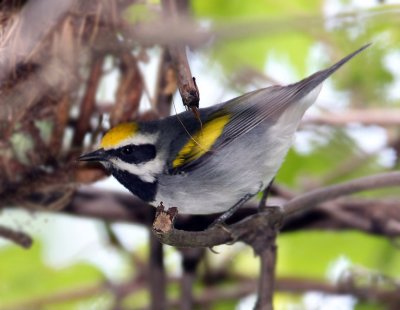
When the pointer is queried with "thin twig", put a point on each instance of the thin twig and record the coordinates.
(69, 295)
(116, 206)
(61, 119)
(381, 117)
(129, 92)
(157, 277)
(266, 279)
(190, 260)
(317, 196)
(166, 85)
(248, 230)
(89, 100)
(18, 237)
(186, 82)
(248, 227)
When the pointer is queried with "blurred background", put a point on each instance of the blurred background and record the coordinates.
(70, 70)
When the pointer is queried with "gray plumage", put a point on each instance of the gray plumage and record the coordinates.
(244, 158)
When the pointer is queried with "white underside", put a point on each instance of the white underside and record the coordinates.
(243, 167)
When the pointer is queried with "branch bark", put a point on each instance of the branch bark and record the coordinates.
(18, 237)
(166, 85)
(89, 100)
(186, 82)
(381, 117)
(317, 196)
(124, 207)
(246, 229)
(190, 260)
(157, 278)
(129, 91)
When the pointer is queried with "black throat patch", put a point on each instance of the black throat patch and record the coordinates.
(144, 190)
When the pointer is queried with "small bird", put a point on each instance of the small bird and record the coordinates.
(217, 164)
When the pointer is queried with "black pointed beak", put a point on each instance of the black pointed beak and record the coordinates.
(98, 155)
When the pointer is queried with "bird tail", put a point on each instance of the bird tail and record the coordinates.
(308, 84)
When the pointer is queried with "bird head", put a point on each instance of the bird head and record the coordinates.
(127, 148)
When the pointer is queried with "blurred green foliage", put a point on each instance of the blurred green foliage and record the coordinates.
(25, 276)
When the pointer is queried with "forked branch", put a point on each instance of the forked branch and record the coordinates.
(243, 230)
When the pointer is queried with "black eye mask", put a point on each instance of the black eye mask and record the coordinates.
(135, 154)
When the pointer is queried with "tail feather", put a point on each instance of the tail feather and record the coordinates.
(308, 84)
(269, 104)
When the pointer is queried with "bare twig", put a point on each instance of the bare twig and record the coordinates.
(248, 286)
(190, 260)
(157, 277)
(129, 90)
(313, 198)
(166, 85)
(116, 206)
(185, 31)
(382, 117)
(248, 230)
(61, 119)
(89, 100)
(212, 294)
(77, 294)
(266, 280)
(186, 82)
(248, 227)
(18, 237)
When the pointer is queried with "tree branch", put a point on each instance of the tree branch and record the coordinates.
(129, 91)
(166, 84)
(18, 237)
(157, 277)
(381, 117)
(89, 100)
(191, 258)
(266, 280)
(186, 82)
(317, 196)
(124, 207)
(246, 229)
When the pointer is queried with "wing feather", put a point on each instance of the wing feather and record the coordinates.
(240, 115)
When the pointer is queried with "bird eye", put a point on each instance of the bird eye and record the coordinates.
(127, 150)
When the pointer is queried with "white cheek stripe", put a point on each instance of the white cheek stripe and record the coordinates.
(144, 171)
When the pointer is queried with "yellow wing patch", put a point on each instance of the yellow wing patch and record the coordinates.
(202, 141)
(117, 134)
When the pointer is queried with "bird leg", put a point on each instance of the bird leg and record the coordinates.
(227, 214)
(221, 220)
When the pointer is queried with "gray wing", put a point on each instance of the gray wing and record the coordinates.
(269, 103)
(248, 111)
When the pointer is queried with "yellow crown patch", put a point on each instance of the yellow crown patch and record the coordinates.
(117, 134)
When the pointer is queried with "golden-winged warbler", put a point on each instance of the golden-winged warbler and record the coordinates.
(219, 163)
